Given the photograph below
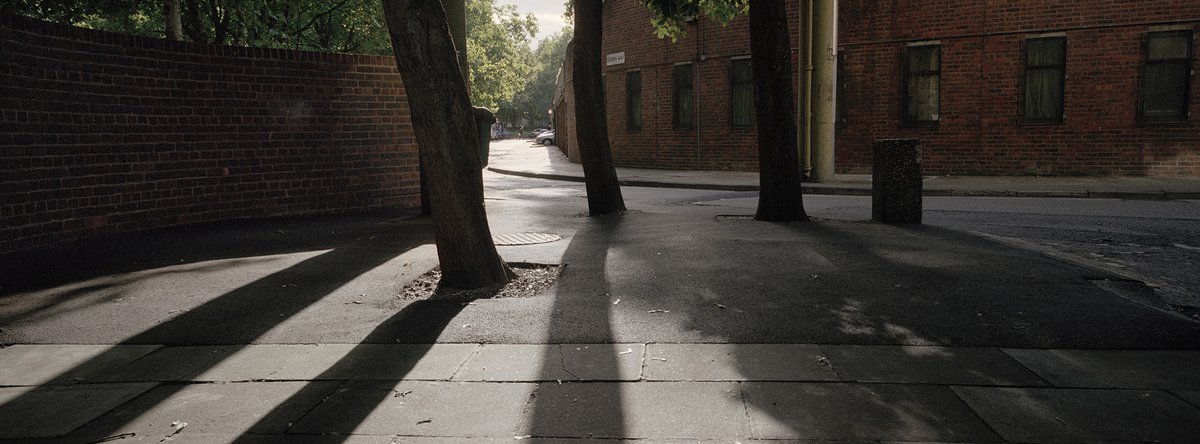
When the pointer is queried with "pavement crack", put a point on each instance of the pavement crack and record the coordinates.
(562, 361)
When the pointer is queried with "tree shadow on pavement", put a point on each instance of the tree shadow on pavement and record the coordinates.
(570, 406)
(243, 315)
(360, 397)
(928, 286)
(69, 277)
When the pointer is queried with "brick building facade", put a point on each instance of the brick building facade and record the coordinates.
(991, 87)
(104, 133)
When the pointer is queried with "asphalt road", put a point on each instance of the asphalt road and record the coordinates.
(1156, 242)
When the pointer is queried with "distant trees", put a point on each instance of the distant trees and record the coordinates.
(534, 99)
(507, 76)
(498, 41)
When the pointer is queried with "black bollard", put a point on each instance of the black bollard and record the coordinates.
(896, 182)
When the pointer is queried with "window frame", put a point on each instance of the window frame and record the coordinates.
(1062, 82)
(675, 96)
(905, 120)
(631, 123)
(1187, 64)
(733, 84)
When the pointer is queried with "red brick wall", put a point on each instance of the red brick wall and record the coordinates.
(713, 143)
(103, 133)
(978, 132)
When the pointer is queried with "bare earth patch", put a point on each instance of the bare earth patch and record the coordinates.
(531, 280)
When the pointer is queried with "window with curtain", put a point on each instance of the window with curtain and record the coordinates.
(741, 93)
(1045, 73)
(633, 100)
(683, 98)
(922, 80)
(1166, 72)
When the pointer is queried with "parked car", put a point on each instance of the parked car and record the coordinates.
(533, 134)
(546, 138)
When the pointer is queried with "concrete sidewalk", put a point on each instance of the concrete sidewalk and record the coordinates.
(522, 158)
(681, 392)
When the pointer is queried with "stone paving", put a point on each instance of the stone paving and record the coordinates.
(537, 392)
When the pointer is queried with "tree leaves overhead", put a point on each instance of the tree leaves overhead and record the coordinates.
(506, 75)
(669, 15)
(354, 26)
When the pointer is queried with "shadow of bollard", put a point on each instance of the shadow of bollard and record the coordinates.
(896, 181)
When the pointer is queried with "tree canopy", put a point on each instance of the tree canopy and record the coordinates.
(498, 40)
(506, 75)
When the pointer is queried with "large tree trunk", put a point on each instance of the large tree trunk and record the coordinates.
(780, 197)
(603, 190)
(444, 126)
(174, 21)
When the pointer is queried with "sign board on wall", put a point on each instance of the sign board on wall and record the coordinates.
(615, 59)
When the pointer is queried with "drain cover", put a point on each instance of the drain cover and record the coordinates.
(733, 217)
(524, 238)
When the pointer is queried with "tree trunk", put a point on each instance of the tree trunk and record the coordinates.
(174, 21)
(780, 197)
(591, 126)
(444, 126)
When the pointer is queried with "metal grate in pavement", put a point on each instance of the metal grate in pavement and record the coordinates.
(510, 239)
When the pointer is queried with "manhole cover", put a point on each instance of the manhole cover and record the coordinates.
(524, 238)
(733, 217)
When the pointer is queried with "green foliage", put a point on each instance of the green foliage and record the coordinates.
(334, 26)
(533, 100)
(669, 15)
(498, 52)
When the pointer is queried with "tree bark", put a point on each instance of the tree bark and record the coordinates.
(444, 127)
(174, 21)
(780, 197)
(591, 126)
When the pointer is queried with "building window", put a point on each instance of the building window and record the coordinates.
(633, 99)
(1045, 72)
(922, 78)
(683, 112)
(741, 93)
(1166, 72)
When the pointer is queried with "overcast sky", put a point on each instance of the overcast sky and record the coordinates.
(549, 14)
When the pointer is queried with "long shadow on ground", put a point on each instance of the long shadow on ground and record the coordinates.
(245, 314)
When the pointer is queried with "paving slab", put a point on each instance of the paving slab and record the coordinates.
(928, 365)
(169, 364)
(1042, 415)
(840, 411)
(1161, 369)
(378, 361)
(419, 408)
(185, 438)
(253, 362)
(63, 364)
(737, 362)
(36, 412)
(554, 362)
(639, 410)
(210, 409)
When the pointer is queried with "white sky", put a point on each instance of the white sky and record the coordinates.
(548, 12)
